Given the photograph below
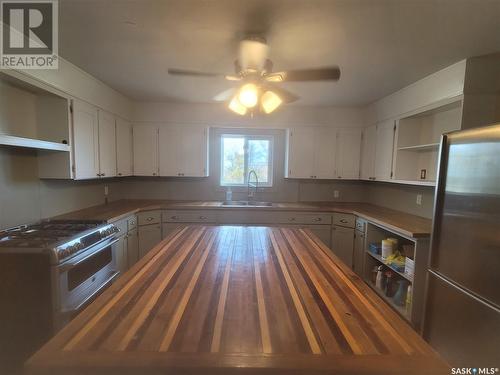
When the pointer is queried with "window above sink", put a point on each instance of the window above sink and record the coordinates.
(241, 154)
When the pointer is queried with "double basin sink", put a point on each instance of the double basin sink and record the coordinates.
(247, 204)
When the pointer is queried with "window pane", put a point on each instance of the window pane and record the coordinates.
(233, 160)
(258, 158)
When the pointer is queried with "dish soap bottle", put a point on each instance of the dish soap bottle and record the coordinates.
(229, 194)
(380, 278)
(408, 299)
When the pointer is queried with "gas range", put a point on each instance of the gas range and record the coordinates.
(54, 268)
(61, 239)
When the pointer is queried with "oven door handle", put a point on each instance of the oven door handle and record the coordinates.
(70, 265)
(113, 276)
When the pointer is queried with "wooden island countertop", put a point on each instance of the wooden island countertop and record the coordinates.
(233, 300)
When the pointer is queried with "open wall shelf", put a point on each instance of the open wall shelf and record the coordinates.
(9, 140)
(417, 142)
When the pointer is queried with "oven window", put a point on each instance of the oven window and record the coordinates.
(89, 267)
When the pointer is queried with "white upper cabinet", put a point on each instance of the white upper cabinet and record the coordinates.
(123, 148)
(107, 144)
(145, 140)
(94, 142)
(183, 151)
(193, 151)
(310, 153)
(300, 153)
(348, 153)
(167, 141)
(384, 148)
(368, 153)
(85, 141)
(324, 153)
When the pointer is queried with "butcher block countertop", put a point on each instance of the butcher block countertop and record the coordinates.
(403, 223)
(238, 300)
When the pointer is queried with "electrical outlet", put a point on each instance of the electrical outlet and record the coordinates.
(106, 190)
(336, 194)
(419, 199)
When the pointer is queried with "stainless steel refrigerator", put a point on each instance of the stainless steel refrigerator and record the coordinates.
(462, 310)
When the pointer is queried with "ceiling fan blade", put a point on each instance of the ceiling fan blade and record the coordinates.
(318, 74)
(193, 73)
(225, 95)
(285, 95)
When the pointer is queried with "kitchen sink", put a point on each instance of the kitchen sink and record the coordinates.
(247, 203)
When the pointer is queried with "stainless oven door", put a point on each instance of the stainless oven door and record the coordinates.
(83, 277)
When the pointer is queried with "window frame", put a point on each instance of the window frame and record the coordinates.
(247, 138)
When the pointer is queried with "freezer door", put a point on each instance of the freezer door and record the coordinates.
(466, 238)
(462, 328)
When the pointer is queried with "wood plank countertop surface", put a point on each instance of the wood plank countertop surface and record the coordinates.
(403, 223)
(234, 300)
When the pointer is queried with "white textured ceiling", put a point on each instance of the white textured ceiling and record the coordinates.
(380, 46)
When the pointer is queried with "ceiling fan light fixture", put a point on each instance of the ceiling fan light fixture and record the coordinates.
(249, 95)
(270, 101)
(237, 107)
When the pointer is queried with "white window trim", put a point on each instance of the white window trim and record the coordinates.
(248, 137)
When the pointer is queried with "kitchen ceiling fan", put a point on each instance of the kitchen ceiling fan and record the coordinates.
(259, 89)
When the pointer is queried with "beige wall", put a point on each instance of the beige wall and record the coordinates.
(401, 197)
(24, 198)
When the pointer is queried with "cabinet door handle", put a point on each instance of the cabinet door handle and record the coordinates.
(340, 176)
(317, 219)
(344, 221)
(291, 219)
(103, 174)
(154, 173)
(203, 218)
(119, 174)
(149, 218)
(174, 217)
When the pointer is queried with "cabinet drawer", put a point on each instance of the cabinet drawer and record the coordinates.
(301, 218)
(149, 217)
(188, 217)
(345, 220)
(132, 222)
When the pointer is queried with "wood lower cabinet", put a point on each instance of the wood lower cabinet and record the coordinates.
(359, 250)
(149, 236)
(132, 247)
(121, 254)
(343, 243)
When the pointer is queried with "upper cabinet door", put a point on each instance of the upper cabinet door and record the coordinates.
(300, 153)
(183, 151)
(192, 151)
(145, 150)
(123, 148)
(348, 153)
(168, 141)
(368, 153)
(384, 150)
(107, 144)
(324, 153)
(85, 141)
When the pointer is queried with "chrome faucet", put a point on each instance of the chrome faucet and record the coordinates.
(255, 185)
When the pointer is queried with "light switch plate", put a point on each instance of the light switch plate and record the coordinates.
(336, 194)
(419, 199)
